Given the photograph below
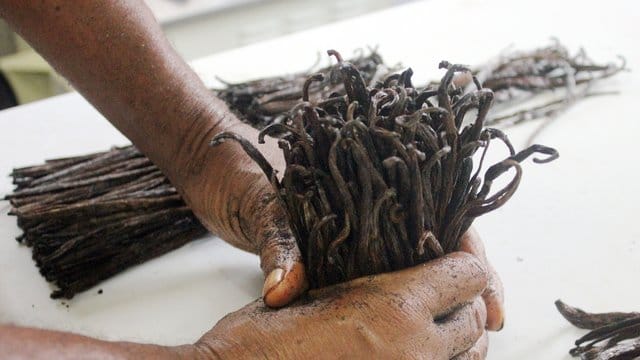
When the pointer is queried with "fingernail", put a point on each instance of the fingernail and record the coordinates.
(273, 279)
(501, 325)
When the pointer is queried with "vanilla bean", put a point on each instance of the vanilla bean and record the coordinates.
(584, 320)
(379, 184)
(260, 102)
(87, 218)
(522, 77)
(612, 336)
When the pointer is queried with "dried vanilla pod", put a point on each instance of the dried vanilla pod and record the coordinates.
(90, 217)
(518, 77)
(262, 102)
(613, 336)
(528, 85)
(383, 177)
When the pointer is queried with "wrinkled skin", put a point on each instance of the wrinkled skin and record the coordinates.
(431, 311)
(281, 252)
(115, 55)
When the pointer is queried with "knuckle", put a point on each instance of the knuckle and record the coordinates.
(479, 350)
(464, 356)
(472, 354)
(477, 268)
(276, 245)
(470, 266)
(275, 236)
(256, 213)
(479, 317)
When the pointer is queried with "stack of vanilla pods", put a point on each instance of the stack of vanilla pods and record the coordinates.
(383, 177)
(264, 101)
(542, 83)
(89, 217)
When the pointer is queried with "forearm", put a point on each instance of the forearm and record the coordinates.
(29, 343)
(115, 55)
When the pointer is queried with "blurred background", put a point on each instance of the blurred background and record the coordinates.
(192, 26)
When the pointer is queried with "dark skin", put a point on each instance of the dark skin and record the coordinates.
(116, 56)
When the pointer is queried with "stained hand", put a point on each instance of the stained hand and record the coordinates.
(493, 295)
(431, 311)
(232, 197)
(240, 206)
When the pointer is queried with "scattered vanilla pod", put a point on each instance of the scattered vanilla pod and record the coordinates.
(613, 336)
(542, 83)
(383, 178)
(518, 78)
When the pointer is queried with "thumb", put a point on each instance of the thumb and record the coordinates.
(494, 294)
(280, 258)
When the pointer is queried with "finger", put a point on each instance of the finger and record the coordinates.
(494, 293)
(463, 327)
(442, 284)
(478, 351)
(280, 259)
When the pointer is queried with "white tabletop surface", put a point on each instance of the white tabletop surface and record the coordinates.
(169, 11)
(569, 232)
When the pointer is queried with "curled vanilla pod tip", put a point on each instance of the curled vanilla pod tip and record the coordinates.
(381, 177)
(614, 335)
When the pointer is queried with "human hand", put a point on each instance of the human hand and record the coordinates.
(409, 312)
(231, 196)
(493, 295)
(243, 199)
(431, 311)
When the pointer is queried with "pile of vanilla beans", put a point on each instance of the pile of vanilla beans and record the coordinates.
(528, 85)
(265, 101)
(383, 177)
(89, 217)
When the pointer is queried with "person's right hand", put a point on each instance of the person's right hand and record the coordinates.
(430, 311)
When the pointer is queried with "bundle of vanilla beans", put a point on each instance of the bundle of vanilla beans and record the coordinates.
(383, 177)
(90, 217)
(264, 101)
(549, 74)
(613, 336)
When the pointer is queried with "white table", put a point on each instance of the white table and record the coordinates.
(568, 233)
